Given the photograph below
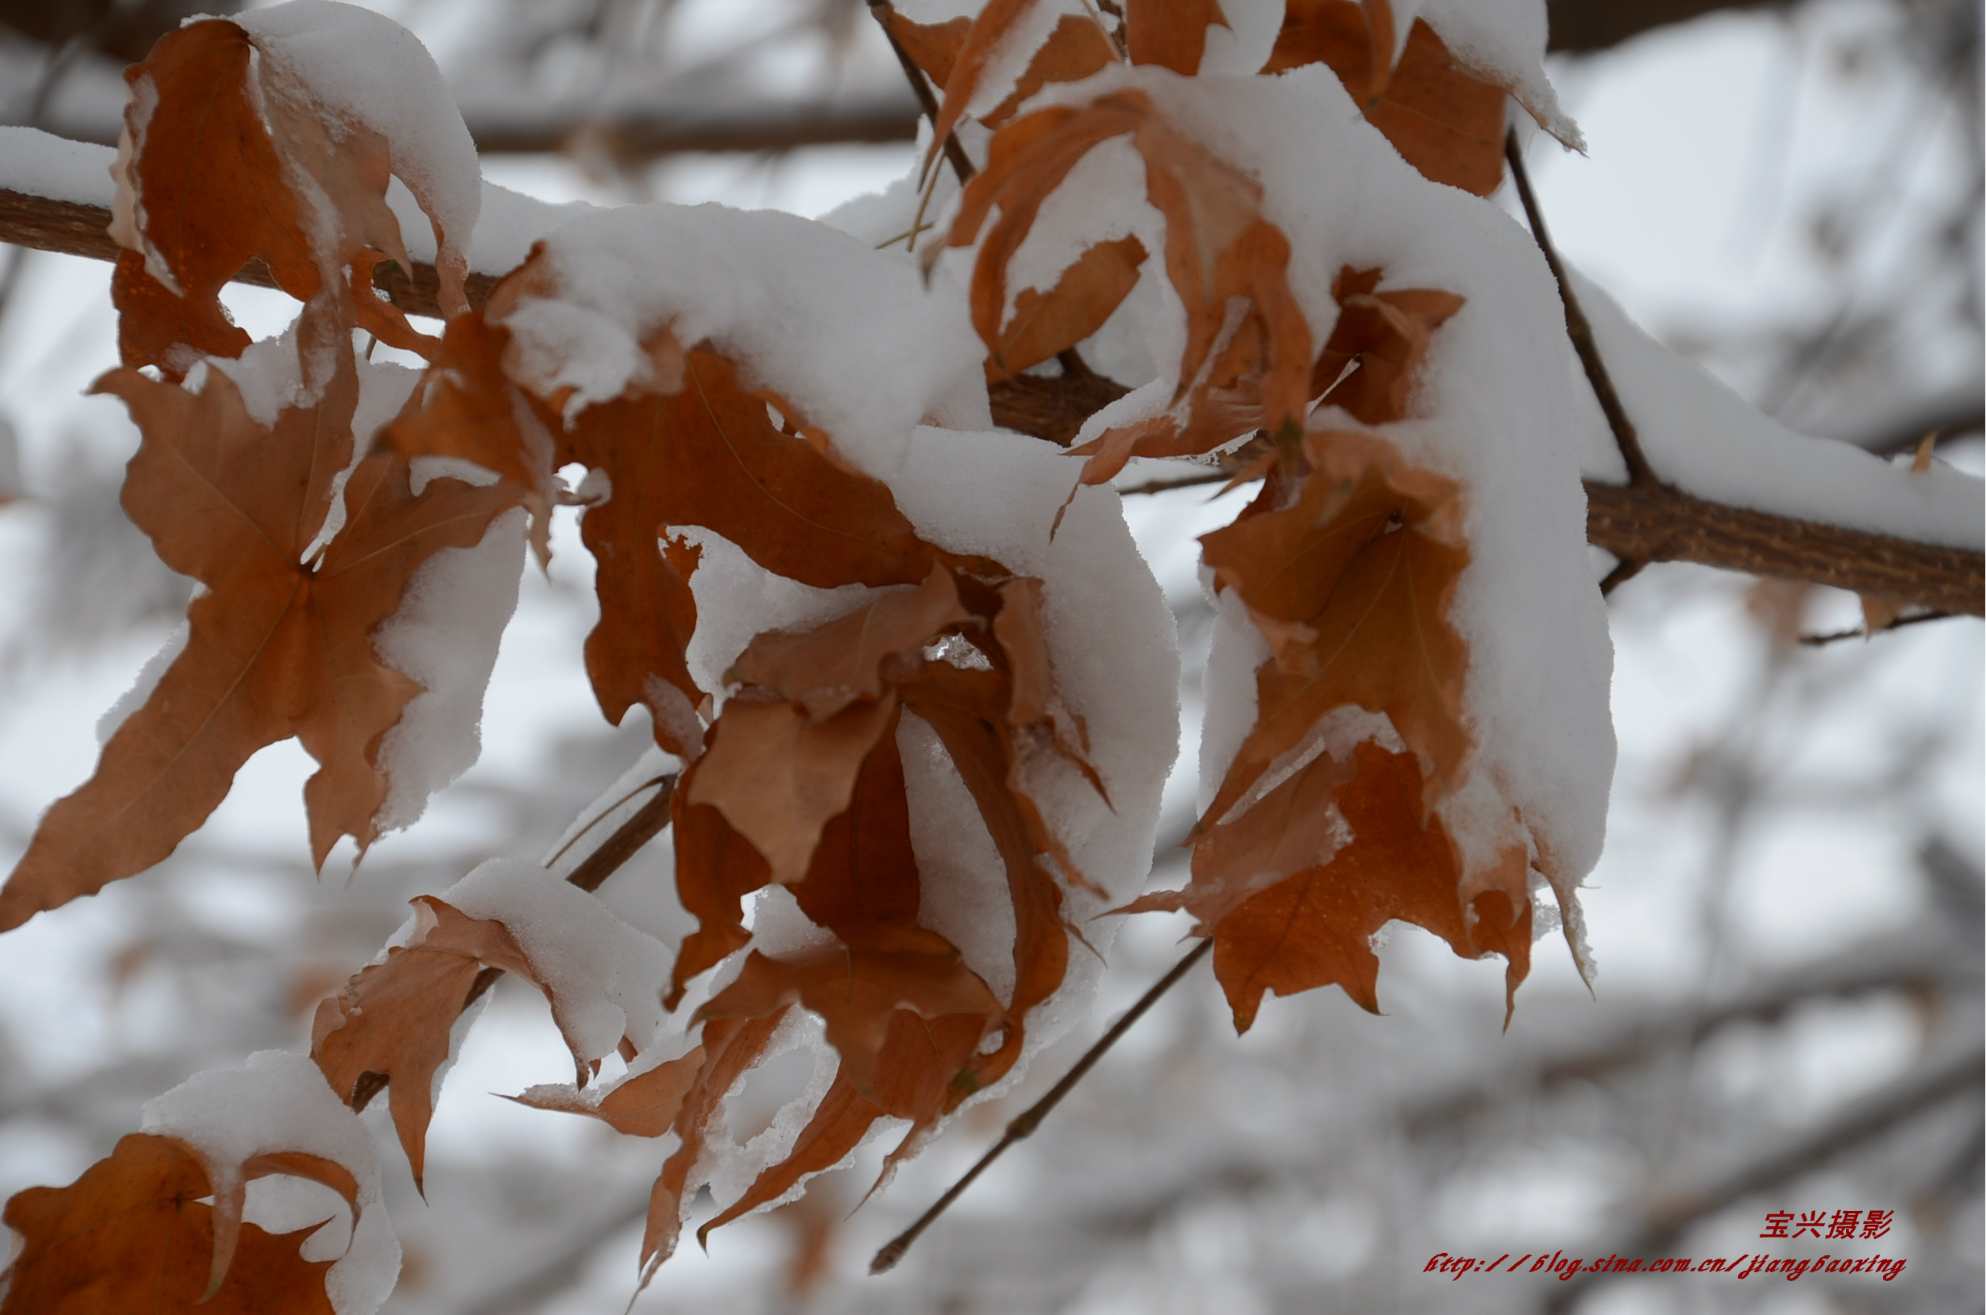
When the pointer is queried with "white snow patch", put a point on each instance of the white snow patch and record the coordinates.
(37, 163)
(1702, 436)
(281, 1102)
(364, 68)
(605, 979)
(445, 635)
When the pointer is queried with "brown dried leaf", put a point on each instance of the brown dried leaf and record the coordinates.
(933, 47)
(777, 775)
(1218, 249)
(730, 1048)
(1445, 121)
(1381, 338)
(1380, 638)
(645, 1105)
(392, 1020)
(1315, 928)
(279, 646)
(856, 656)
(210, 155)
(1076, 307)
(132, 1234)
(1172, 33)
(855, 991)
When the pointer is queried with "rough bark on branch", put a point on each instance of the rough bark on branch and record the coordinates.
(1646, 524)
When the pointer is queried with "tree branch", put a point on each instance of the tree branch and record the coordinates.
(1582, 26)
(1663, 524)
(646, 133)
(1636, 524)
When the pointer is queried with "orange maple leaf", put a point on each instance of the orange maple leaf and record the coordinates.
(279, 645)
(1346, 564)
(1083, 297)
(133, 1233)
(1351, 585)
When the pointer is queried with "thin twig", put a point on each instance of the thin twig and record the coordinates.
(1183, 482)
(961, 165)
(642, 826)
(1580, 330)
(1030, 1119)
(1862, 632)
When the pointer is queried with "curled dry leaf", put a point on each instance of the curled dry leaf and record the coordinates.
(133, 1233)
(1315, 926)
(1045, 324)
(1368, 365)
(216, 145)
(1219, 252)
(391, 1022)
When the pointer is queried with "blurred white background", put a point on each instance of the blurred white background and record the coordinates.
(1787, 919)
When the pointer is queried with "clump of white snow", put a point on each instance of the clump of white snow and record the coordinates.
(281, 1102)
(605, 979)
(445, 635)
(362, 68)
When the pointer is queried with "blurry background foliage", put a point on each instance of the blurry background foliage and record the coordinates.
(1788, 917)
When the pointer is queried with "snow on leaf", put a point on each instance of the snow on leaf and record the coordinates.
(1220, 253)
(1351, 586)
(730, 1048)
(133, 1234)
(857, 991)
(1446, 122)
(993, 27)
(226, 158)
(1321, 832)
(279, 645)
(391, 1021)
(1044, 324)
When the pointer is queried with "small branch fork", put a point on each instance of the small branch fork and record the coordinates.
(1030, 1118)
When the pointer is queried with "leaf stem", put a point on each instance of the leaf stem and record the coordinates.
(1031, 1118)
